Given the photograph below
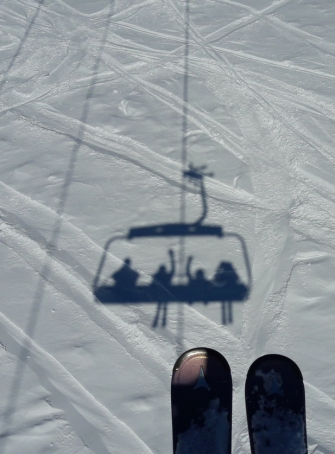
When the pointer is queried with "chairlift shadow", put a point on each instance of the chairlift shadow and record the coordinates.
(225, 286)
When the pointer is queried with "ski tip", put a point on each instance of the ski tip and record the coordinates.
(203, 352)
(275, 361)
(201, 402)
(275, 405)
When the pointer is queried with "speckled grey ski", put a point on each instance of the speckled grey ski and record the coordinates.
(275, 403)
(201, 398)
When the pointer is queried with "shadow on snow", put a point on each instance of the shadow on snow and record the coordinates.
(225, 286)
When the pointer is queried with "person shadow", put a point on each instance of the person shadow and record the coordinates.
(197, 283)
(126, 276)
(224, 287)
(161, 282)
(227, 280)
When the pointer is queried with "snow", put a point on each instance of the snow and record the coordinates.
(102, 104)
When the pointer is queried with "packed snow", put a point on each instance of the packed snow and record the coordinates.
(104, 105)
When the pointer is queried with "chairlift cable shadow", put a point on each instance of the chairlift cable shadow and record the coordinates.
(226, 285)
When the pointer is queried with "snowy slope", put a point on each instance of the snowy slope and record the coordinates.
(102, 105)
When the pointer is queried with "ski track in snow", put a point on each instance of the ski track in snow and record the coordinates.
(106, 68)
(254, 92)
(90, 417)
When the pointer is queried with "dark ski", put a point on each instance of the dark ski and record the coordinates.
(201, 398)
(275, 403)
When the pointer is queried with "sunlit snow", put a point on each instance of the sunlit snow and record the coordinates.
(103, 105)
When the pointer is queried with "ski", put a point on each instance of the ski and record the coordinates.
(201, 401)
(275, 404)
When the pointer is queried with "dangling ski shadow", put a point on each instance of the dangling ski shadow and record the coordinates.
(225, 286)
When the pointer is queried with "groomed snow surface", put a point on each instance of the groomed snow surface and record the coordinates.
(102, 104)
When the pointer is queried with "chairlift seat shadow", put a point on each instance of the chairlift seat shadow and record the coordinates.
(226, 288)
(181, 229)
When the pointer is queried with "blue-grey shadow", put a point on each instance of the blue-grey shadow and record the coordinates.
(225, 287)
